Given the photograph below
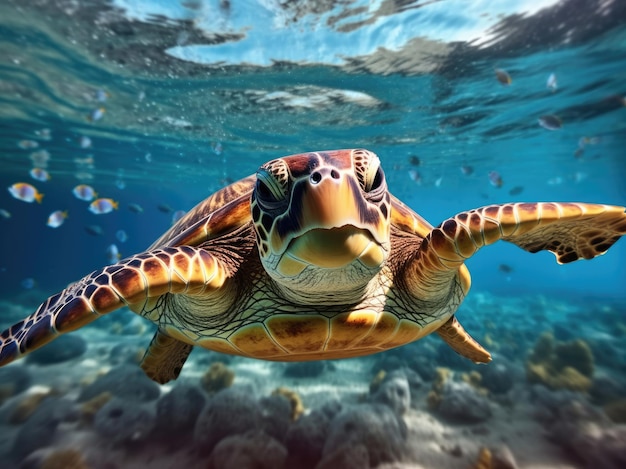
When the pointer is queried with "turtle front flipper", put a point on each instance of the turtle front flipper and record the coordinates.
(136, 282)
(570, 230)
(437, 277)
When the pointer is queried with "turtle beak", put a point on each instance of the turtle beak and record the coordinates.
(329, 202)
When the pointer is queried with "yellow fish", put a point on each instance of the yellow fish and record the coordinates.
(25, 192)
(100, 206)
(39, 174)
(57, 218)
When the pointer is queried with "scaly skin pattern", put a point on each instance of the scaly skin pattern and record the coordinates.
(139, 282)
(310, 258)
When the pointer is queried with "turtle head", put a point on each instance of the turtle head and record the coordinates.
(322, 219)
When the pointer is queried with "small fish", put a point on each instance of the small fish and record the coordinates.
(102, 206)
(25, 192)
(135, 208)
(165, 208)
(121, 236)
(503, 77)
(84, 192)
(40, 158)
(582, 144)
(28, 283)
(467, 170)
(177, 215)
(579, 176)
(438, 181)
(5, 213)
(148, 157)
(84, 142)
(551, 83)
(83, 176)
(505, 268)
(217, 148)
(57, 218)
(100, 95)
(27, 144)
(550, 122)
(120, 184)
(414, 160)
(39, 174)
(113, 254)
(517, 190)
(415, 176)
(88, 161)
(94, 230)
(96, 114)
(495, 179)
(44, 134)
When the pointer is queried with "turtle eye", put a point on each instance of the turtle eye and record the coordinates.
(268, 191)
(375, 177)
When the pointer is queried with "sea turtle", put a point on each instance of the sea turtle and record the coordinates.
(310, 258)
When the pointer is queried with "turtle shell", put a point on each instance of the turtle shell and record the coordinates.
(223, 211)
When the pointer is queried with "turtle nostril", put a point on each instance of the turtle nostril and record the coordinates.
(334, 174)
(316, 177)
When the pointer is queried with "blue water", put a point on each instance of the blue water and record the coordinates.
(265, 81)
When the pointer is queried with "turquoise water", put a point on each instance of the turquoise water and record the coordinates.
(199, 94)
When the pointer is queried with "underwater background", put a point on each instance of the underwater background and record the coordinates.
(157, 104)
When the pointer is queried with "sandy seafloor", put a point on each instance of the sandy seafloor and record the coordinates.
(418, 417)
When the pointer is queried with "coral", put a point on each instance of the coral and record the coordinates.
(485, 460)
(124, 421)
(499, 377)
(434, 396)
(474, 379)
(616, 410)
(461, 402)
(305, 438)
(13, 380)
(178, 410)
(64, 459)
(218, 377)
(26, 407)
(90, 408)
(350, 455)
(457, 400)
(560, 365)
(377, 381)
(297, 407)
(253, 449)
(230, 411)
(394, 392)
(39, 430)
(64, 348)
(575, 354)
(126, 382)
(276, 415)
(375, 426)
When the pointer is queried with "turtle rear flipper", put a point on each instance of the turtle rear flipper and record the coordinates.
(462, 343)
(165, 357)
(136, 282)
